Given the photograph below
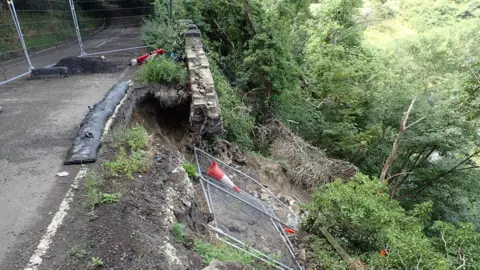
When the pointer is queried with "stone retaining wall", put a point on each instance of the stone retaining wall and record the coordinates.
(205, 110)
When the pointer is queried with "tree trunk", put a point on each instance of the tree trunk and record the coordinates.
(393, 155)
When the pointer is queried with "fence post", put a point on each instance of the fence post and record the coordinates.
(77, 28)
(16, 22)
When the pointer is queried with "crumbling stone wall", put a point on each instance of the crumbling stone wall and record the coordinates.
(205, 109)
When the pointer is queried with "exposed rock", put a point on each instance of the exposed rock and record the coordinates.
(302, 255)
(216, 265)
(264, 196)
(239, 158)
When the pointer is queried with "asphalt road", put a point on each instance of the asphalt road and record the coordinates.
(37, 126)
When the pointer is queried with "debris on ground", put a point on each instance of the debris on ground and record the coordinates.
(229, 265)
(307, 166)
(1, 109)
(62, 174)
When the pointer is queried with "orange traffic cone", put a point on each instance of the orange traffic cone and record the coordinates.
(215, 172)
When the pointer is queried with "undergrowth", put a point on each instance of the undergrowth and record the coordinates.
(135, 137)
(178, 231)
(191, 170)
(236, 117)
(93, 185)
(131, 157)
(163, 70)
(221, 252)
(124, 164)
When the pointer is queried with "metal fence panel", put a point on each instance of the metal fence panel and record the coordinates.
(119, 21)
(245, 221)
(14, 61)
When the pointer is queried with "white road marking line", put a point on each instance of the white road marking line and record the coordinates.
(112, 118)
(101, 44)
(56, 222)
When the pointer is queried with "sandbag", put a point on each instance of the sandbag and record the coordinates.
(88, 139)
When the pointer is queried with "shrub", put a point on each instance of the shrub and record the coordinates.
(163, 70)
(361, 214)
(161, 32)
(236, 117)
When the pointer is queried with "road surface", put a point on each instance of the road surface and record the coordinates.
(37, 126)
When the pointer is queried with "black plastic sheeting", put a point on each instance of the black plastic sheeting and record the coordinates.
(88, 140)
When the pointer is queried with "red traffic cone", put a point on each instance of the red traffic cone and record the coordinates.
(215, 172)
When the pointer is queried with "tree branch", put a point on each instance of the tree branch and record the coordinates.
(461, 257)
(398, 184)
(431, 182)
(393, 154)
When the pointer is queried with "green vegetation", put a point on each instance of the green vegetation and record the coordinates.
(124, 164)
(131, 157)
(160, 32)
(93, 185)
(178, 231)
(221, 252)
(342, 74)
(191, 170)
(109, 198)
(96, 262)
(236, 118)
(78, 252)
(135, 137)
(163, 70)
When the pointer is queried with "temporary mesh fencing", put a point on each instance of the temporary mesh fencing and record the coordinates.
(118, 20)
(37, 34)
(12, 47)
(242, 220)
(45, 24)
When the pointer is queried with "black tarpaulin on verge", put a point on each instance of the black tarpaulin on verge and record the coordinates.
(88, 139)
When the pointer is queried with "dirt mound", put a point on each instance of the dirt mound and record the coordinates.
(89, 65)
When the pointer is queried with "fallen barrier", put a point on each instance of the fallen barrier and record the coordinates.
(88, 139)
